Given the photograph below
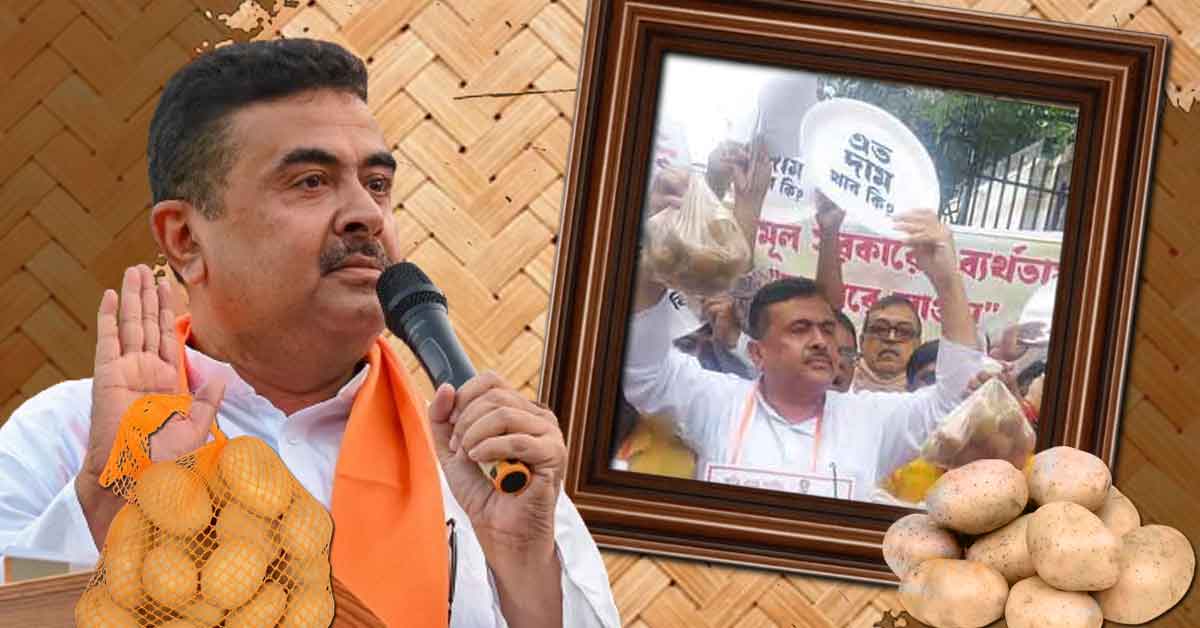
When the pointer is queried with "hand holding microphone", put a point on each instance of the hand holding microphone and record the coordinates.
(493, 422)
(479, 421)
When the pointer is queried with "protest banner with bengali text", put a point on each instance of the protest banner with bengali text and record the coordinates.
(1001, 270)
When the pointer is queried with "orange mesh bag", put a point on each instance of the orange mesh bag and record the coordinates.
(224, 535)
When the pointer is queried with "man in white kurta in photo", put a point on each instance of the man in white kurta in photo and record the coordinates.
(789, 420)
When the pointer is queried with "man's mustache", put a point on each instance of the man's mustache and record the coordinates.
(336, 255)
(819, 354)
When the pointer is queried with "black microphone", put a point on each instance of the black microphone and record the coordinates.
(416, 311)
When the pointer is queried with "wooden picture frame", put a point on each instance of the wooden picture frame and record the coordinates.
(1114, 78)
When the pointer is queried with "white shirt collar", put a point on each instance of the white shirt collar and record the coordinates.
(771, 414)
(202, 368)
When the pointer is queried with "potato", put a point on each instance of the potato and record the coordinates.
(234, 521)
(1006, 551)
(313, 573)
(233, 573)
(978, 497)
(1034, 604)
(312, 606)
(1119, 514)
(306, 528)
(123, 571)
(1071, 548)
(1157, 565)
(174, 499)
(169, 575)
(1016, 430)
(264, 610)
(915, 538)
(203, 613)
(128, 524)
(255, 476)
(974, 450)
(124, 549)
(949, 593)
(1066, 474)
(95, 610)
(999, 445)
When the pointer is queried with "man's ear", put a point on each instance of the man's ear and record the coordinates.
(171, 221)
(754, 348)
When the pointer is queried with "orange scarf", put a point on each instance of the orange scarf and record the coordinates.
(389, 540)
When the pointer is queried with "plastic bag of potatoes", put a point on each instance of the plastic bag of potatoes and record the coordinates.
(989, 424)
(697, 248)
(223, 534)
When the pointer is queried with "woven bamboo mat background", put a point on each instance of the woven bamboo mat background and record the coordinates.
(478, 207)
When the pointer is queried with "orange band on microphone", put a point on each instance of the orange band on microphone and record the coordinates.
(509, 476)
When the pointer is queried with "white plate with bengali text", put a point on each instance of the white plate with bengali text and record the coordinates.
(868, 162)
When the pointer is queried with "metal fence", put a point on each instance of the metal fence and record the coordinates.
(1025, 191)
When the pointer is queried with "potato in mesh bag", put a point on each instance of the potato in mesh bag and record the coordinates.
(123, 567)
(988, 424)
(169, 574)
(307, 608)
(265, 609)
(255, 477)
(224, 535)
(97, 610)
(697, 248)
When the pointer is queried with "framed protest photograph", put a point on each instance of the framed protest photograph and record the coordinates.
(815, 254)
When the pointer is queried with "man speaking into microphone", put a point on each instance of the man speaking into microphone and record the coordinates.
(271, 183)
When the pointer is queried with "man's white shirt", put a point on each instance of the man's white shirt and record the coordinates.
(864, 436)
(43, 444)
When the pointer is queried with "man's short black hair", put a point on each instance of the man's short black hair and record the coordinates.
(924, 355)
(889, 301)
(848, 325)
(189, 149)
(776, 292)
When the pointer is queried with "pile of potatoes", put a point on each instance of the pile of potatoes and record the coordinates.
(245, 546)
(1076, 556)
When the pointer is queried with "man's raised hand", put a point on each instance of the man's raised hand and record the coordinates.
(829, 215)
(932, 243)
(137, 354)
